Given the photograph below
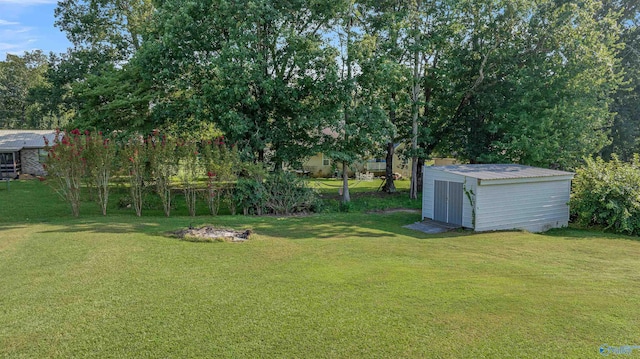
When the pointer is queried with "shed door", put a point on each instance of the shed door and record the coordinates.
(447, 204)
(455, 203)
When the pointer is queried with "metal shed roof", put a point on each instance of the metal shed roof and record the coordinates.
(15, 140)
(488, 172)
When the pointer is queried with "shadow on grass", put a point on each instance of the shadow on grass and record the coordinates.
(586, 233)
(7, 227)
(104, 225)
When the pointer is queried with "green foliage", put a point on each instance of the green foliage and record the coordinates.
(134, 159)
(250, 195)
(608, 194)
(19, 77)
(65, 167)
(114, 29)
(542, 96)
(346, 206)
(259, 70)
(625, 130)
(163, 160)
(100, 155)
(284, 193)
(190, 172)
(114, 99)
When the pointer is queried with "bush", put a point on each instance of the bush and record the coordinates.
(250, 196)
(287, 194)
(608, 194)
(65, 167)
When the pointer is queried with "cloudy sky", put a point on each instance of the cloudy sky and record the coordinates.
(27, 25)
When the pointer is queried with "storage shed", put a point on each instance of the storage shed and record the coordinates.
(23, 151)
(490, 197)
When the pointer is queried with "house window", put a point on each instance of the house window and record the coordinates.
(326, 161)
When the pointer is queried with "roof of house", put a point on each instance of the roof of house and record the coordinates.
(500, 171)
(15, 140)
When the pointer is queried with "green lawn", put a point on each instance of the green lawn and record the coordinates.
(336, 285)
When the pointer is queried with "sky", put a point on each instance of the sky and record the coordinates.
(27, 25)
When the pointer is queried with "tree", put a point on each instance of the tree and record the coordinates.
(115, 99)
(19, 76)
(258, 70)
(360, 124)
(383, 71)
(542, 89)
(114, 29)
(625, 130)
(94, 79)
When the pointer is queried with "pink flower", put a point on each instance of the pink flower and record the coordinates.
(86, 132)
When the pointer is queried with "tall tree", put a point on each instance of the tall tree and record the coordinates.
(92, 80)
(625, 130)
(547, 69)
(360, 125)
(113, 28)
(260, 70)
(19, 76)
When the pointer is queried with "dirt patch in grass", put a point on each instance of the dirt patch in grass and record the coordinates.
(394, 210)
(212, 234)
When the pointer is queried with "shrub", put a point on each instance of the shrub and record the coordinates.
(65, 167)
(222, 166)
(135, 160)
(164, 165)
(100, 154)
(250, 196)
(287, 194)
(189, 173)
(608, 194)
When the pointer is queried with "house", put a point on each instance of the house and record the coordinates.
(23, 152)
(320, 165)
(490, 197)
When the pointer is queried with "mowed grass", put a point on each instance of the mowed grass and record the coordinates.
(333, 285)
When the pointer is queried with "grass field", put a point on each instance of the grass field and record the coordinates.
(331, 285)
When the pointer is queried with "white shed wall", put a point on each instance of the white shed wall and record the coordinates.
(535, 207)
(429, 176)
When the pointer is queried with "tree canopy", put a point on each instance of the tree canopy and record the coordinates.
(542, 83)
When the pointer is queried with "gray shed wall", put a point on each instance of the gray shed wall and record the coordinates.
(430, 176)
(532, 206)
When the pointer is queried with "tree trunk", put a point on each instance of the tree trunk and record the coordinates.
(389, 185)
(415, 109)
(419, 176)
(345, 183)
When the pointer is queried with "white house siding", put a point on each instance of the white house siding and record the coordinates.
(534, 207)
(430, 176)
